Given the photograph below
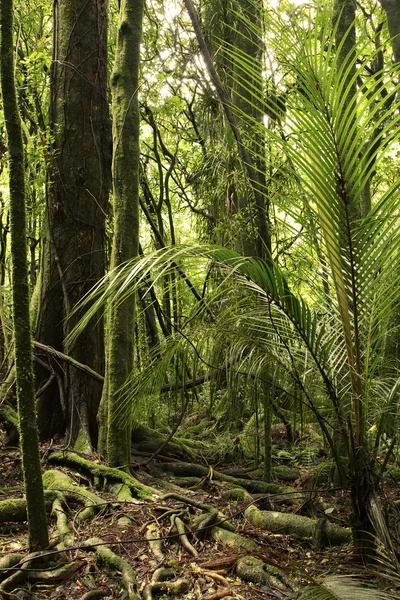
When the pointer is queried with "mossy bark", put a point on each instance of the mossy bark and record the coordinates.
(101, 472)
(125, 176)
(255, 570)
(113, 563)
(253, 486)
(73, 258)
(392, 9)
(240, 28)
(302, 527)
(29, 439)
(232, 540)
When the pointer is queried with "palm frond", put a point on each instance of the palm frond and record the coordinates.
(343, 587)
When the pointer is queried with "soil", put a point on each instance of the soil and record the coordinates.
(148, 535)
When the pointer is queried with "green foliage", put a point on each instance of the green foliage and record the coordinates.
(338, 587)
(324, 327)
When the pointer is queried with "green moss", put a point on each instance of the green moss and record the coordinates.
(56, 480)
(233, 540)
(14, 509)
(107, 473)
(298, 526)
(82, 443)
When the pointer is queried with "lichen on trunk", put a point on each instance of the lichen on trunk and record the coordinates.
(125, 175)
(29, 439)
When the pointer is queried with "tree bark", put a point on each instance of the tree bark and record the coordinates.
(116, 431)
(251, 169)
(74, 237)
(29, 439)
(392, 9)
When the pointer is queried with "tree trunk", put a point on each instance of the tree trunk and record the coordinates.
(250, 166)
(392, 9)
(74, 238)
(37, 522)
(116, 430)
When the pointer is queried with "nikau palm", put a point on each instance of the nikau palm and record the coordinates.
(331, 142)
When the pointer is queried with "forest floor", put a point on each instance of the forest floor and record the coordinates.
(187, 534)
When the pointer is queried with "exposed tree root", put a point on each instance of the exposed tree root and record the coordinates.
(103, 473)
(170, 531)
(95, 595)
(158, 585)
(39, 569)
(179, 526)
(255, 570)
(153, 536)
(62, 523)
(202, 506)
(233, 540)
(302, 527)
(15, 509)
(112, 563)
(251, 485)
(57, 480)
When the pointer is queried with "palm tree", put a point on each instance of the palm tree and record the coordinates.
(329, 154)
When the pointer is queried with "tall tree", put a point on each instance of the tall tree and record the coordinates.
(74, 239)
(242, 116)
(116, 432)
(38, 534)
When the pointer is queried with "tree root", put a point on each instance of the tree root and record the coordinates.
(30, 571)
(103, 473)
(251, 485)
(178, 524)
(205, 507)
(9, 562)
(302, 527)
(14, 509)
(62, 523)
(232, 540)
(111, 563)
(56, 480)
(255, 570)
(173, 588)
(153, 536)
(95, 594)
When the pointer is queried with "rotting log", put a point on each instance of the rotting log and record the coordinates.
(321, 531)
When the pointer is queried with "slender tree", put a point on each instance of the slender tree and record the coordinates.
(116, 432)
(38, 535)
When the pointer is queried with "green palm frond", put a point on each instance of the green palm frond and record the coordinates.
(332, 139)
(338, 587)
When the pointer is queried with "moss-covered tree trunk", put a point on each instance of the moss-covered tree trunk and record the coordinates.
(115, 429)
(392, 345)
(38, 535)
(74, 240)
